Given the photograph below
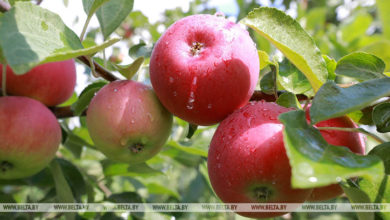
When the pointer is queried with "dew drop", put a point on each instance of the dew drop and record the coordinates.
(150, 117)
(171, 80)
(123, 141)
(191, 100)
(209, 106)
(313, 179)
(219, 165)
(115, 90)
(174, 93)
(194, 80)
(132, 121)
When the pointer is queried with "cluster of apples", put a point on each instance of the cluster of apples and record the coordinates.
(29, 132)
(204, 70)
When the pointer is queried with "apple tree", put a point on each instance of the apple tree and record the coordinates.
(280, 103)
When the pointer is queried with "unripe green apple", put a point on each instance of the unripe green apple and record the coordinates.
(50, 83)
(29, 137)
(127, 122)
(247, 160)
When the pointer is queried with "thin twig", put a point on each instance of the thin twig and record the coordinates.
(107, 75)
(361, 130)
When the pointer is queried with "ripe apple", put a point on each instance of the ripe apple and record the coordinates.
(50, 83)
(247, 161)
(29, 134)
(354, 141)
(203, 68)
(127, 122)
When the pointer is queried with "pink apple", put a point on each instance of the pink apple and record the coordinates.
(127, 122)
(30, 136)
(50, 83)
(247, 160)
(203, 68)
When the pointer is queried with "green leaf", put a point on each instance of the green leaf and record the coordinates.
(140, 50)
(292, 40)
(130, 70)
(333, 101)
(268, 81)
(331, 66)
(383, 152)
(111, 15)
(360, 65)
(85, 97)
(383, 7)
(64, 192)
(264, 59)
(74, 178)
(288, 100)
(155, 188)
(380, 49)
(127, 197)
(291, 79)
(91, 6)
(370, 190)
(123, 169)
(316, 163)
(381, 117)
(355, 27)
(190, 150)
(41, 38)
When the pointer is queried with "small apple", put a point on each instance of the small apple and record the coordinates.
(247, 160)
(127, 122)
(203, 68)
(30, 136)
(353, 140)
(50, 83)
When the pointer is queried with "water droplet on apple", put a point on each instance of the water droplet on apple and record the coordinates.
(132, 121)
(115, 90)
(219, 165)
(174, 93)
(123, 141)
(150, 117)
(194, 80)
(171, 80)
(209, 106)
(191, 100)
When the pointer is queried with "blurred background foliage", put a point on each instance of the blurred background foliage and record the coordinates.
(179, 172)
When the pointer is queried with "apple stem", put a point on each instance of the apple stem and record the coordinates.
(5, 166)
(361, 130)
(136, 148)
(4, 78)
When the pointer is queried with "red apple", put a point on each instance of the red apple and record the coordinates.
(127, 122)
(353, 140)
(247, 161)
(29, 134)
(203, 68)
(50, 83)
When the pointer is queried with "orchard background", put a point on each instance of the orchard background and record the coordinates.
(352, 36)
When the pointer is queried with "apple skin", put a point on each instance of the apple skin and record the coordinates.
(247, 160)
(353, 140)
(203, 68)
(30, 136)
(127, 122)
(50, 83)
